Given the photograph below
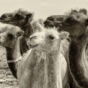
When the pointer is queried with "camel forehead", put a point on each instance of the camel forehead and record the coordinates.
(52, 32)
(8, 27)
(38, 34)
(3, 27)
(45, 33)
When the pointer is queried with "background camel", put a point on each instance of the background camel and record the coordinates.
(76, 24)
(8, 37)
(56, 20)
(21, 19)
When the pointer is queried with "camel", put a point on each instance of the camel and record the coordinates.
(23, 20)
(42, 66)
(76, 24)
(8, 37)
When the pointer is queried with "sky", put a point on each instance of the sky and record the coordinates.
(42, 8)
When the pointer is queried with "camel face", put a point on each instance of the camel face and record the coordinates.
(18, 18)
(75, 23)
(50, 37)
(9, 34)
(23, 20)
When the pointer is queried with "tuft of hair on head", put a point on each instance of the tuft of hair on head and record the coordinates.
(37, 26)
(21, 11)
(84, 11)
(74, 11)
(25, 13)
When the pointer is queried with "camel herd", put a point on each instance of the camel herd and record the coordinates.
(47, 54)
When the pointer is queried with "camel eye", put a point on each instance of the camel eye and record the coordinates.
(51, 37)
(69, 20)
(18, 16)
(10, 36)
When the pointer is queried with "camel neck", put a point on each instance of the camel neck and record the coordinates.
(77, 61)
(27, 28)
(44, 69)
(9, 53)
(13, 54)
(11, 65)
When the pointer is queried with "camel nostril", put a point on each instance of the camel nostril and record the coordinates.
(51, 37)
(10, 36)
(19, 33)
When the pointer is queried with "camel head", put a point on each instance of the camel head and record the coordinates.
(18, 18)
(9, 34)
(54, 21)
(47, 40)
(76, 23)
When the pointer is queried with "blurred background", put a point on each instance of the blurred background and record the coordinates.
(42, 8)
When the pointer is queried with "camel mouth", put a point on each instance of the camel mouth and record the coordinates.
(5, 20)
(8, 21)
(33, 46)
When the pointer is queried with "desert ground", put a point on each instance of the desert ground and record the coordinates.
(6, 78)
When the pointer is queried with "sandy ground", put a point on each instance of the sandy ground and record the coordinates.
(6, 78)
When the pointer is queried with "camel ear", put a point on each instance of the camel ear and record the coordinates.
(64, 35)
(41, 22)
(29, 17)
(84, 11)
(37, 26)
